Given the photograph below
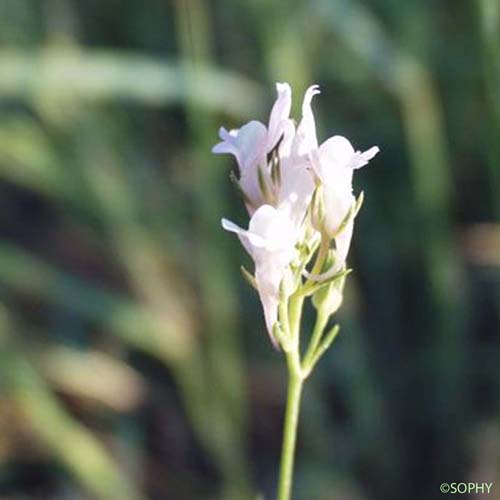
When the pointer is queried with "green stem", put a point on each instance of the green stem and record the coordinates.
(321, 321)
(296, 376)
(296, 304)
(295, 383)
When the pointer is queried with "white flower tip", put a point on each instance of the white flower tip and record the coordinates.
(306, 103)
(224, 134)
(365, 157)
(314, 89)
(230, 226)
(372, 152)
(228, 135)
(217, 149)
(283, 87)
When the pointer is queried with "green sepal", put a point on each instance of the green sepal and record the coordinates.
(248, 277)
(328, 282)
(328, 298)
(280, 337)
(351, 214)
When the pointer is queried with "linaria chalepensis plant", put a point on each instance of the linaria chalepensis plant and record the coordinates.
(302, 209)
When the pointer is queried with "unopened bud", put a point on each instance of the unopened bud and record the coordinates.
(329, 298)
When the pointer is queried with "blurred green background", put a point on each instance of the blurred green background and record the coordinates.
(134, 359)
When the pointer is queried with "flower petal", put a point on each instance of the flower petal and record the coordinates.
(342, 245)
(296, 188)
(228, 144)
(276, 228)
(338, 200)
(270, 240)
(365, 157)
(285, 149)
(248, 145)
(231, 226)
(249, 240)
(268, 281)
(306, 132)
(336, 151)
(331, 163)
(279, 114)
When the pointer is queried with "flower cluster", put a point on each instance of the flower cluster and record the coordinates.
(299, 196)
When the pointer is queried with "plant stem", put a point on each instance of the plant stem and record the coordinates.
(296, 304)
(295, 382)
(296, 374)
(321, 321)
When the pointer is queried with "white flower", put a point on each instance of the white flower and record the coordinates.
(297, 184)
(334, 163)
(251, 143)
(278, 166)
(270, 241)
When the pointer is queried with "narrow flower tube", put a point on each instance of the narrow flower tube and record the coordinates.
(270, 240)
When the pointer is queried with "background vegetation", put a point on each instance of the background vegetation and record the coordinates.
(133, 358)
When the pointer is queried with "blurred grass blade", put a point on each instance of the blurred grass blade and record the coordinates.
(28, 274)
(411, 83)
(92, 376)
(67, 439)
(489, 22)
(22, 141)
(226, 422)
(97, 75)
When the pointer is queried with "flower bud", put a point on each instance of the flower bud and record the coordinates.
(328, 298)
